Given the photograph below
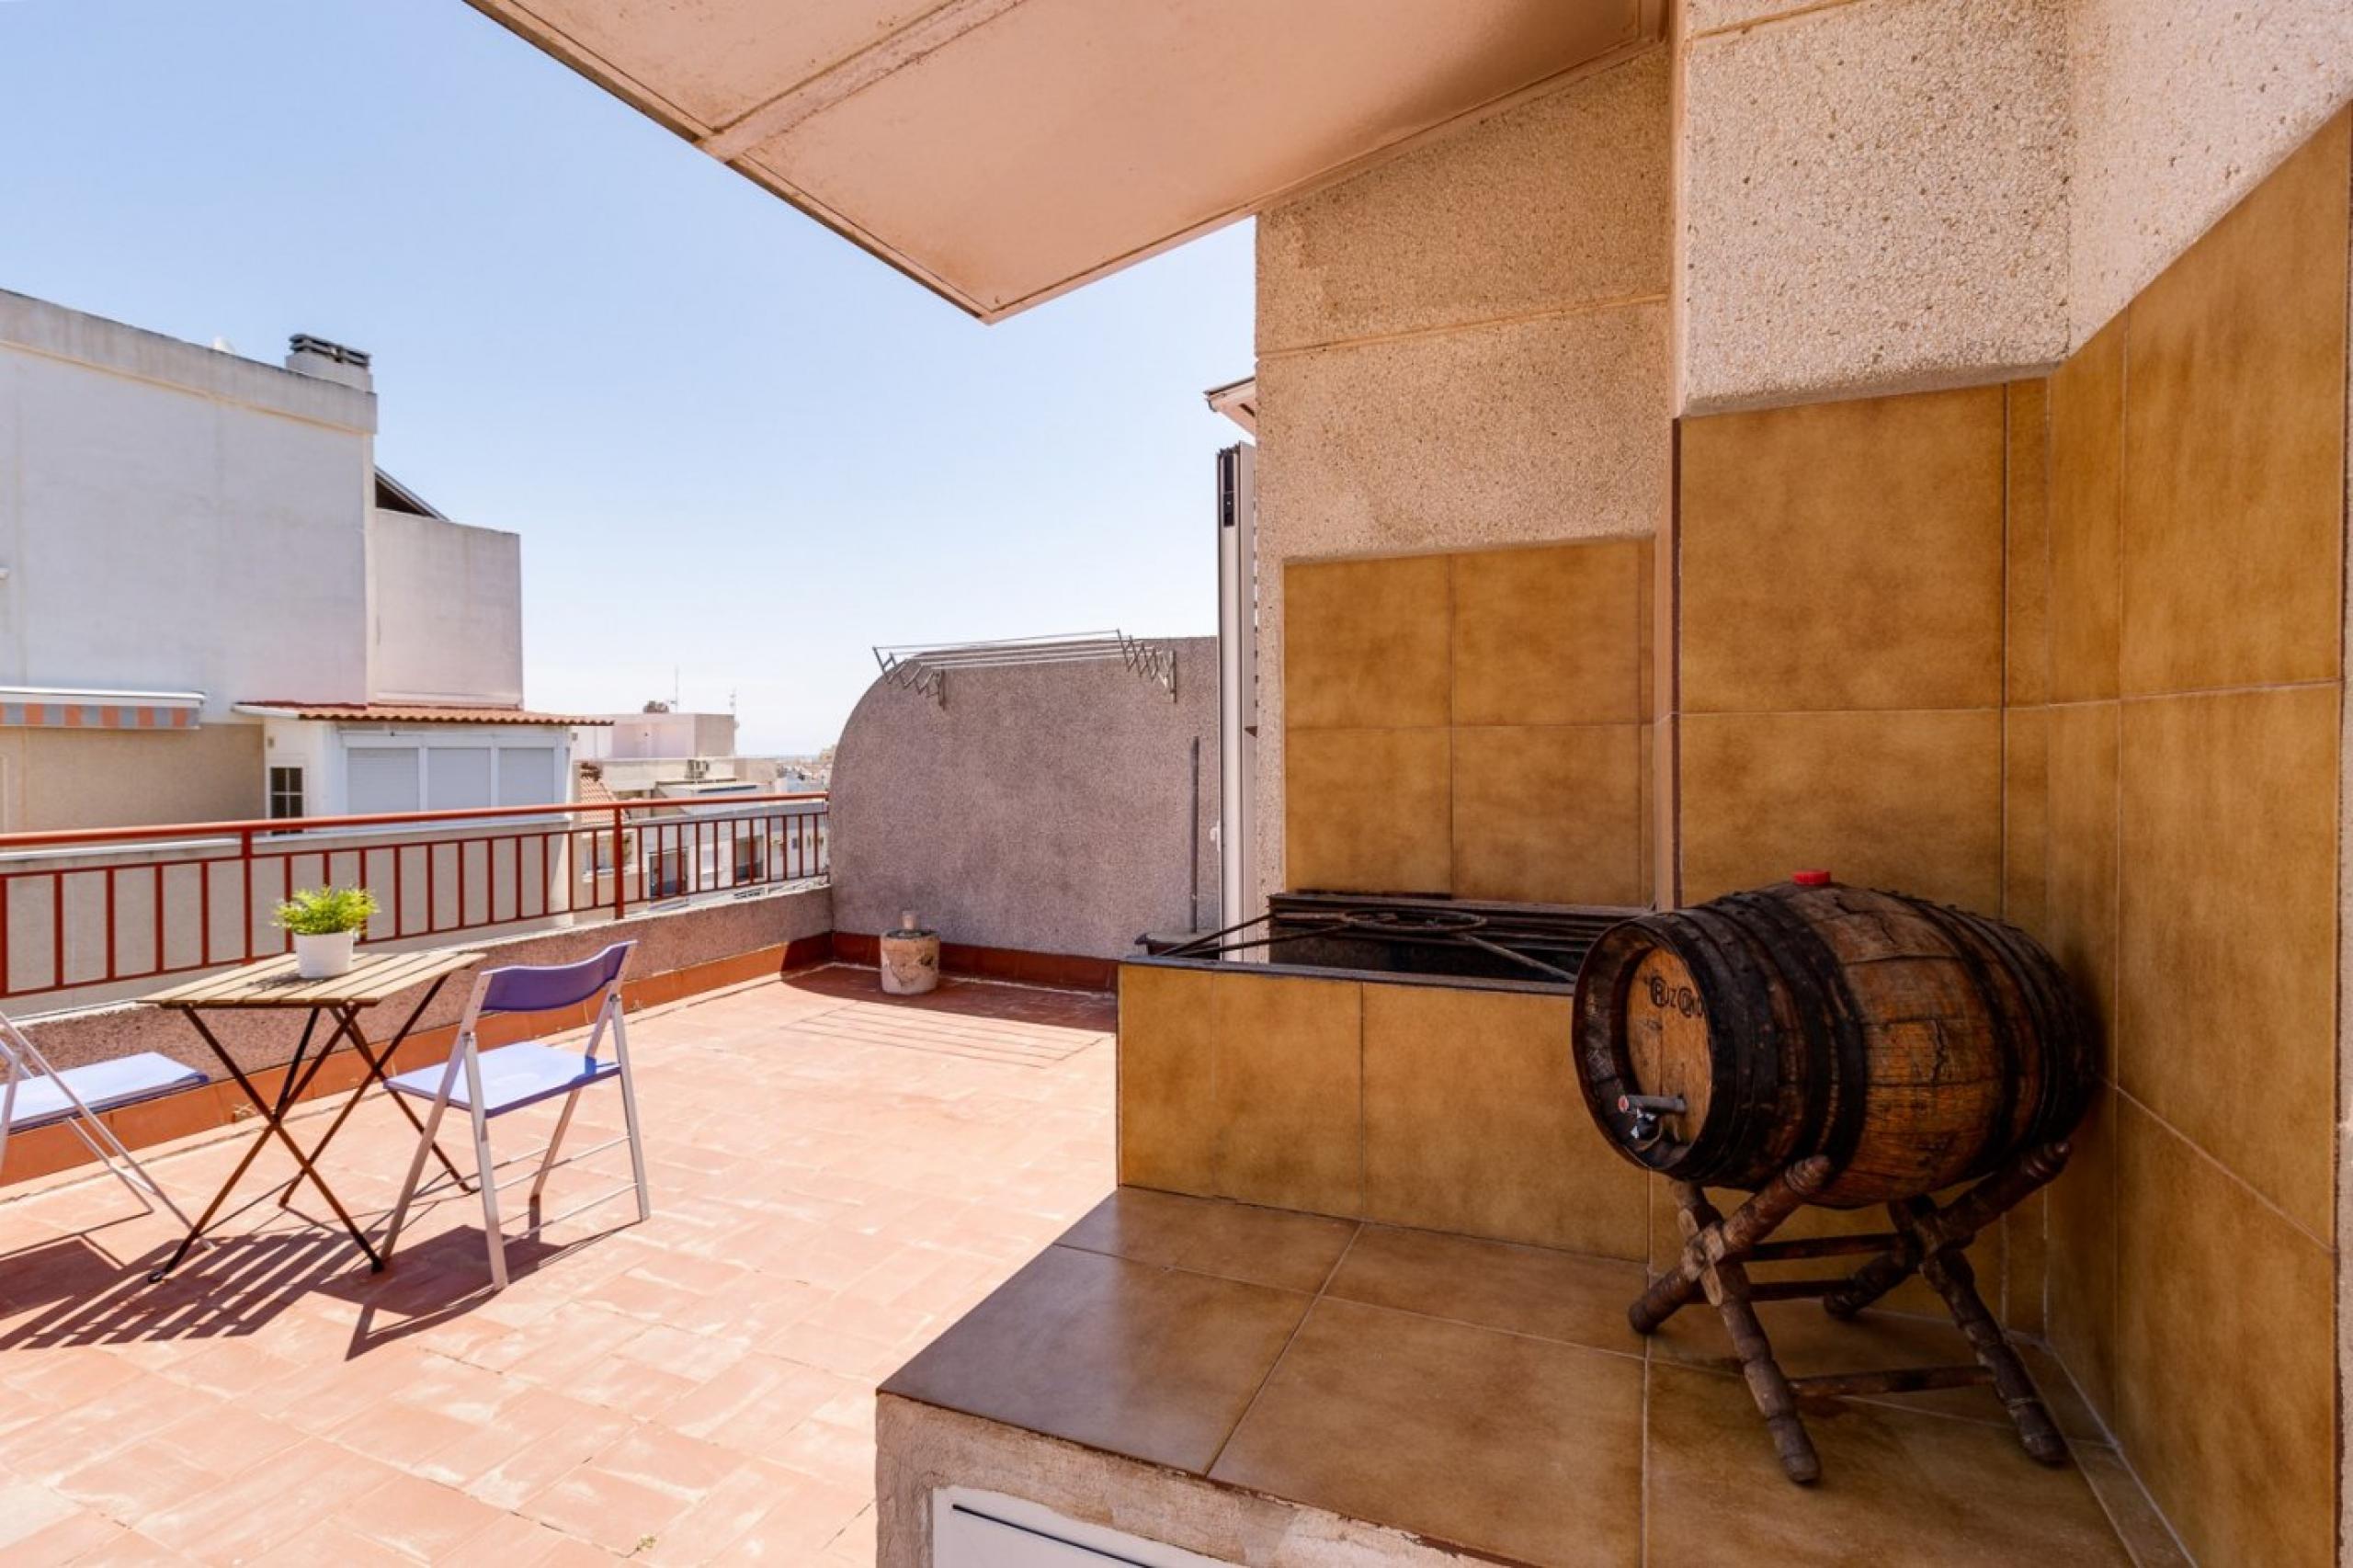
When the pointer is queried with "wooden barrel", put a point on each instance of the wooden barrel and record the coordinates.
(1914, 1044)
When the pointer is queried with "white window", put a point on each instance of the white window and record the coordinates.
(285, 791)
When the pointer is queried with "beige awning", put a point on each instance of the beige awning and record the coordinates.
(1004, 151)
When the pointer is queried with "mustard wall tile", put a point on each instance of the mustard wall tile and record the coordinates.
(1910, 801)
(1366, 643)
(1548, 636)
(1842, 555)
(2080, 849)
(2086, 460)
(1666, 818)
(1367, 811)
(2226, 1369)
(1646, 893)
(2026, 817)
(2024, 1266)
(2234, 441)
(1549, 815)
(1474, 1124)
(1646, 574)
(2027, 550)
(1288, 1076)
(1167, 1110)
(2227, 953)
(2080, 1220)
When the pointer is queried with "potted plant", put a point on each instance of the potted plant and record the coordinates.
(324, 922)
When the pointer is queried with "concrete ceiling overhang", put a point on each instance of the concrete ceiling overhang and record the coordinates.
(1002, 152)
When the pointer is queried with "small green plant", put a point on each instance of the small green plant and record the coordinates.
(323, 911)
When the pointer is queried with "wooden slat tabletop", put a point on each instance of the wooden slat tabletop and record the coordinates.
(272, 983)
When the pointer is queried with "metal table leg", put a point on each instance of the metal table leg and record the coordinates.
(273, 1123)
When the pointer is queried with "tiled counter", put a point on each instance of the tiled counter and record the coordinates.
(1271, 1389)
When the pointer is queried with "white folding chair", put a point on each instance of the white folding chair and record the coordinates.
(487, 1084)
(33, 1094)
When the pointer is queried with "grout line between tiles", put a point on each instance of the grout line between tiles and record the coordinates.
(1259, 1392)
(2233, 1176)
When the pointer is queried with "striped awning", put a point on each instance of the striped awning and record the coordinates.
(61, 708)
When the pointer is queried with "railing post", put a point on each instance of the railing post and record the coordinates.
(246, 853)
(620, 870)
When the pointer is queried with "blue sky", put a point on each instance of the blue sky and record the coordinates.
(733, 444)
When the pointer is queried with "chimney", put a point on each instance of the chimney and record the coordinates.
(310, 355)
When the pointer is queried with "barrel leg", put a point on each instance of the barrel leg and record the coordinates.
(1768, 1385)
(1946, 1229)
(1711, 1240)
(1711, 1263)
(1947, 1270)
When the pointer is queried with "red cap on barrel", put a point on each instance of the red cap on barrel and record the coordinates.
(1811, 878)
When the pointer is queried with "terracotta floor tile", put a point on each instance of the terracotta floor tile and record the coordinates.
(331, 1541)
(130, 1483)
(1498, 1442)
(26, 1508)
(708, 1531)
(1898, 1490)
(761, 1400)
(71, 1540)
(132, 1549)
(268, 1504)
(1153, 1363)
(611, 1511)
(801, 1523)
(537, 1440)
(1233, 1241)
(420, 1518)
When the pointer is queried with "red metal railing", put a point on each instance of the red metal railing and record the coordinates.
(95, 907)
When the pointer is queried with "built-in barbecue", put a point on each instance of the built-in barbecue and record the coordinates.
(1412, 934)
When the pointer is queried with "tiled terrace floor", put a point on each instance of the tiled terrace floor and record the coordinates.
(835, 1178)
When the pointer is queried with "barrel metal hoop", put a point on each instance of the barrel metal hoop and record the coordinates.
(1813, 957)
(1964, 934)
(1605, 1069)
(1713, 941)
(2068, 1062)
(1814, 1005)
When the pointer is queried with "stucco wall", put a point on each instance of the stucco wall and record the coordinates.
(62, 778)
(1888, 195)
(1874, 194)
(445, 612)
(1043, 808)
(212, 503)
(2180, 107)
(1466, 347)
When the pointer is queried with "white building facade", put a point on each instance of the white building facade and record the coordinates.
(213, 607)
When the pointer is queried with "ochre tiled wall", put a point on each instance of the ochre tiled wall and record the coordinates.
(1474, 723)
(2172, 835)
(1839, 671)
(1437, 1106)
(2070, 649)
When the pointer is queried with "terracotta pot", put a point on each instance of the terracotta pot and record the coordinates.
(910, 958)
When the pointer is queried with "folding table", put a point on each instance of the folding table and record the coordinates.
(272, 984)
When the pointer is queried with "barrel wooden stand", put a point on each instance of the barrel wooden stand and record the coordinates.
(1927, 1239)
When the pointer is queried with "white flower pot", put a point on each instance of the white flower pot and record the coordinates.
(323, 957)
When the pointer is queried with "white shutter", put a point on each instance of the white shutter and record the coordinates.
(527, 777)
(380, 779)
(457, 778)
